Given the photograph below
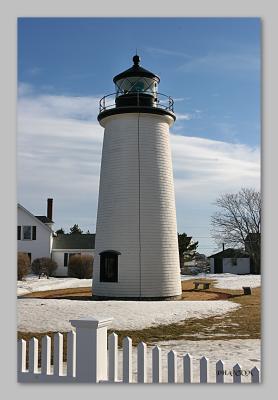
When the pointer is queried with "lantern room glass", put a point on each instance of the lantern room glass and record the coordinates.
(135, 84)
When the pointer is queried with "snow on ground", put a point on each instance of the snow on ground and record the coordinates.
(246, 352)
(41, 315)
(229, 281)
(34, 284)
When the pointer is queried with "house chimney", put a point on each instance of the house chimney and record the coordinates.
(49, 208)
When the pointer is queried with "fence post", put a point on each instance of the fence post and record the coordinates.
(142, 362)
(127, 360)
(46, 355)
(204, 370)
(187, 368)
(91, 349)
(172, 367)
(156, 364)
(113, 357)
(255, 375)
(237, 374)
(21, 355)
(71, 353)
(219, 371)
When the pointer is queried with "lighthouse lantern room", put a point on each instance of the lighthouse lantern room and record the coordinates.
(136, 252)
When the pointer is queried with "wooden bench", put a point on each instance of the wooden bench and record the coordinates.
(206, 285)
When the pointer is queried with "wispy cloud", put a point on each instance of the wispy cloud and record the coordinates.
(225, 62)
(182, 117)
(195, 114)
(59, 154)
(166, 52)
(34, 71)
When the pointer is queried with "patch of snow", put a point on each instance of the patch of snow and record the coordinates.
(34, 284)
(228, 281)
(41, 315)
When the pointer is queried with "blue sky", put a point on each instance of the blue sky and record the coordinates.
(210, 66)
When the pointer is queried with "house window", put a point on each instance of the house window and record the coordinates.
(109, 266)
(27, 232)
(66, 258)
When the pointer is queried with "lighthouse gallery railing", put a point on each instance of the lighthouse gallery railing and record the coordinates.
(160, 101)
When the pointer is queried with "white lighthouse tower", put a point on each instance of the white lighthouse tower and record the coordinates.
(136, 252)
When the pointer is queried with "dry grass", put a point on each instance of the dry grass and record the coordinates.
(243, 323)
(62, 293)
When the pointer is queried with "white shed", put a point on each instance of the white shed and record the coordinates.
(66, 245)
(233, 261)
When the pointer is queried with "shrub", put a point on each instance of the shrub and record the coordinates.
(23, 265)
(44, 265)
(81, 266)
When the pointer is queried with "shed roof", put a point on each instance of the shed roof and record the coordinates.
(230, 253)
(74, 241)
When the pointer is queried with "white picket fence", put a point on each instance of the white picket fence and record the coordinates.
(92, 358)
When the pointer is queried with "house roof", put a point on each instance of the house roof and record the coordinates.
(44, 219)
(74, 241)
(230, 253)
(35, 218)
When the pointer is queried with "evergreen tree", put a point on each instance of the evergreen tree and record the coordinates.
(75, 230)
(187, 247)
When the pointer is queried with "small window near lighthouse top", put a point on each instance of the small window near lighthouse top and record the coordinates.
(109, 266)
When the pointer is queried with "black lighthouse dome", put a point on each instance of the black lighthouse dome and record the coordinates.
(136, 90)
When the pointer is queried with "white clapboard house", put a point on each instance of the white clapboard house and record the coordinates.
(35, 237)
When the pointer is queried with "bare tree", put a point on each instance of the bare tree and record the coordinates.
(238, 223)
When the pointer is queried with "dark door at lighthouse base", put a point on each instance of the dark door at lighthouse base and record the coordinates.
(218, 265)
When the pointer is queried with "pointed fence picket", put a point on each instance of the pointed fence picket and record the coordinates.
(58, 354)
(237, 373)
(255, 375)
(86, 359)
(204, 365)
(142, 362)
(33, 356)
(113, 357)
(156, 365)
(187, 368)
(219, 372)
(172, 367)
(46, 355)
(127, 360)
(21, 355)
(71, 354)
